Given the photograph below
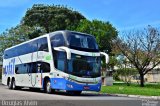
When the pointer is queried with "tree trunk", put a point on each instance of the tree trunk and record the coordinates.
(141, 80)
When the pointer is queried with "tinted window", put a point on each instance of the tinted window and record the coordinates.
(59, 60)
(21, 69)
(43, 45)
(82, 42)
(57, 40)
(32, 68)
(45, 67)
(84, 66)
(33, 46)
(36, 45)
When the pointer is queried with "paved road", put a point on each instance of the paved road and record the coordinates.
(7, 94)
(61, 98)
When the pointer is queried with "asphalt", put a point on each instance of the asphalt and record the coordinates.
(61, 98)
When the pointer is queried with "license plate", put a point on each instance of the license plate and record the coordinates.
(86, 87)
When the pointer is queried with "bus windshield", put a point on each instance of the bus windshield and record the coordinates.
(84, 66)
(82, 42)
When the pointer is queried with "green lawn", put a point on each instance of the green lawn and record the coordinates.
(133, 89)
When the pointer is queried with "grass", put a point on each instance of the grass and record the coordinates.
(133, 89)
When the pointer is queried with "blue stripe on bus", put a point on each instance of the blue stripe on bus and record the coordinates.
(63, 84)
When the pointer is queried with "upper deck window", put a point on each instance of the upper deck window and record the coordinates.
(57, 40)
(40, 44)
(82, 41)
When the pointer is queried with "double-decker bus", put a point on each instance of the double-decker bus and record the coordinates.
(61, 60)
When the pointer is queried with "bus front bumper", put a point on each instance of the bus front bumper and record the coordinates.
(63, 84)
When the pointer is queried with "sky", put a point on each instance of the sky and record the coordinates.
(122, 14)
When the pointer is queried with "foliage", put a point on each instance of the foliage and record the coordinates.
(104, 32)
(127, 74)
(141, 48)
(52, 17)
(112, 62)
(127, 71)
(14, 36)
(41, 19)
(116, 76)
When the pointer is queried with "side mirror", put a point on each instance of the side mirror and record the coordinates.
(68, 52)
(106, 57)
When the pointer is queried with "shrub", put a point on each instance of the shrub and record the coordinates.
(127, 74)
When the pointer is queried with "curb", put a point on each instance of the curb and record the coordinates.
(141, 97)
(126, 95)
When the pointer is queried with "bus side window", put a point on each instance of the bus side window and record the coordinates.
(57, 40)
(45, 67)
(34, 46)
(16, 70)
(21, 69)
(59, 60)
(5, 55)
(42, 44)
(34, 67)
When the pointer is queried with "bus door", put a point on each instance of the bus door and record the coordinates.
(36, 75)
(39, 74)
(33, 74)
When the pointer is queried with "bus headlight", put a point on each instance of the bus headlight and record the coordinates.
(99, 81)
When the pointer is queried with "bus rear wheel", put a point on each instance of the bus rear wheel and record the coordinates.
(14, 85)
(10, 84)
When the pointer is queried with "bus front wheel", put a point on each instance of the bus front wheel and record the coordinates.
(48, 88)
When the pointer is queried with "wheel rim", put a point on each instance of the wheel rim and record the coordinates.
(14, 85)
(9, 85)
(48, 87)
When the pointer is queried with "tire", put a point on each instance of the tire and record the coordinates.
(10, 84)
(14, 85)
(48, 88)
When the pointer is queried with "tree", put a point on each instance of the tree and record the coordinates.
(141, 48)
(126, 74)
(104, 32)
(14, 36)
(52, 17)
(125, 69)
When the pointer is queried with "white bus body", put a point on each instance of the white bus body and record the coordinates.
(52, 62)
